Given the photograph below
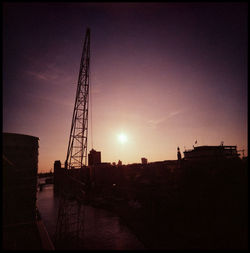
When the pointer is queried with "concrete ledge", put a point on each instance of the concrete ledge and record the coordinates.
(45, 238)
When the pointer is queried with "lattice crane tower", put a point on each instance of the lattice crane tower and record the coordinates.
(70, 221)
(77, 147)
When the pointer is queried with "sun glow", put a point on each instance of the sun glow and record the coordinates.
(122, 138)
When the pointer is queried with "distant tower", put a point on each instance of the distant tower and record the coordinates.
(178, 153)
(77, 147)
(179, 157)
(94, 157)
(58, 175)
(144, 160)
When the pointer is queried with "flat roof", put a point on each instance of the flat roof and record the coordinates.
(20, 135)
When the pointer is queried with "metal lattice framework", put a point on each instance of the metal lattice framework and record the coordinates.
(77, 147)
(69, 232)
(70, 221)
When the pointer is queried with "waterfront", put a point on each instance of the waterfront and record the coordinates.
(103, 229)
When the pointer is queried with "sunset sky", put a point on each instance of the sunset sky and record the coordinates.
(162, 74)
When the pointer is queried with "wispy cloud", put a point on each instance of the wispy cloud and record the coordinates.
(155, 122)
(174, 113)
(51, 100)
(43, 76)
(49, 72)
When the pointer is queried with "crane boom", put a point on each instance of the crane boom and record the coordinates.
(77, 147)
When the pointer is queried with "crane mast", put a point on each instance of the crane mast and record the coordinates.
(70, 220)
(77, 146)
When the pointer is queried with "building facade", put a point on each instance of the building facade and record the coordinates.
(211, 153)
(94, 157)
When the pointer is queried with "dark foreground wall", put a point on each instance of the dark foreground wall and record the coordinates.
(20, 164)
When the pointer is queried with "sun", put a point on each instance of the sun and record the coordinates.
(122, 138)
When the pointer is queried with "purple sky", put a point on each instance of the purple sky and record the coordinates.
(164, 75)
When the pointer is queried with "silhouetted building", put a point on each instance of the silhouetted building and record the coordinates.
(57, 166)
(59, 173)
(211, 152)
(94, 157)
(21, 228)
(119, 163)
(144, 160)
(20, 164)
(104, 174)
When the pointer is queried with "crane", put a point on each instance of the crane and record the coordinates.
(77, 147)
(71, 211)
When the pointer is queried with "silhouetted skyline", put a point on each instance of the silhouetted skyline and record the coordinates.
(162, 74)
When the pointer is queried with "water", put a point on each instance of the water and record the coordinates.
(103, 229)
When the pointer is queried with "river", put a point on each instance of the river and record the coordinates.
(103, 229)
